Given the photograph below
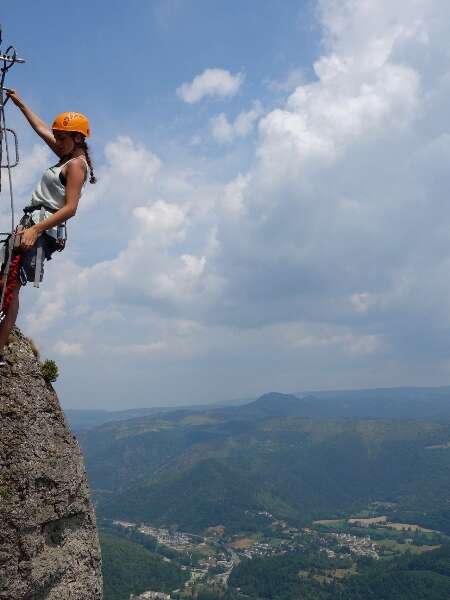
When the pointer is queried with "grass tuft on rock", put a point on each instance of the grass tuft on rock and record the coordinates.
(49, 371)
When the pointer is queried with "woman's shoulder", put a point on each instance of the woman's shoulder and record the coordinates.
(76, 163)
(76, 167)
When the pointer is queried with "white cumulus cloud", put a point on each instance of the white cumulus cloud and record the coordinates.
(212, 82)
(68, 348)
(225, 131)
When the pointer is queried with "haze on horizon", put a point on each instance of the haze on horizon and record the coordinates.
(272, 206)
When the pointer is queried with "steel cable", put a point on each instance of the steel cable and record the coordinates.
(9, 58)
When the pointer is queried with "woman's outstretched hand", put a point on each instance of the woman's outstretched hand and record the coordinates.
(14, 97)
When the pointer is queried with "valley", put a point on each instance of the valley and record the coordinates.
(340, 547)
(257, 501)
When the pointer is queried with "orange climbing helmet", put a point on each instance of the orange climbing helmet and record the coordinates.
(72, 122)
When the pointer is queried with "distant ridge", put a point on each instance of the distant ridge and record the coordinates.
(382, 403)
(275, 404)
(385, 403)
(379, 391)
(377, 403)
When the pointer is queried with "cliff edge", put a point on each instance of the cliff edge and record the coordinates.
(49, 545)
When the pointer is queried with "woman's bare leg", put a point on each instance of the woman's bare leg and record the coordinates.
(10, 319)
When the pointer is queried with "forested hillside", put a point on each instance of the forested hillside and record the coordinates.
(128, 567)
(424, 577)
(228, 464)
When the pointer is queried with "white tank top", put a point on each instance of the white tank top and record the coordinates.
(51, 192)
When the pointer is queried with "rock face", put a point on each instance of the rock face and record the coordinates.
(49, 546)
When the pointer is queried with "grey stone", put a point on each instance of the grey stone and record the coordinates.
(49, 548)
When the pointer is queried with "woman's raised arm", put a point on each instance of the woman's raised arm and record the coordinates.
(39, 126)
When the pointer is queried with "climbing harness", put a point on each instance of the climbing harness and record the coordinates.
(10, 273)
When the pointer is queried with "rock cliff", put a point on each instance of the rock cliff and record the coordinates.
(49, 546)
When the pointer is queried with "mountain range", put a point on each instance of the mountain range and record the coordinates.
(389, 403)
(299, 458)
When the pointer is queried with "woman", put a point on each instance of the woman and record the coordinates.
(55, 199)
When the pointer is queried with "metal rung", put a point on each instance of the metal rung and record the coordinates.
(5, 57)
(4, 132)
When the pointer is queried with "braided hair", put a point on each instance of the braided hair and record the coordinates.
(92, 178)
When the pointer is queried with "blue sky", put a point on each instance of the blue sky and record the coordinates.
(122, 64)
(271, 211)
